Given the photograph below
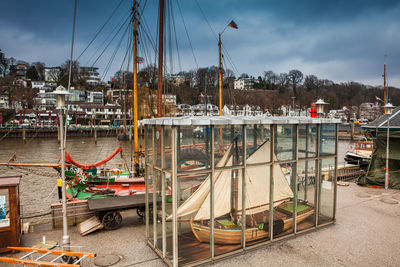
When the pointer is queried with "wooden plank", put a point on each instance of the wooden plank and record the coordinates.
(90, 225)
(120, 202)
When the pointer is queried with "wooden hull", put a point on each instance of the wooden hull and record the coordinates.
(234, 236)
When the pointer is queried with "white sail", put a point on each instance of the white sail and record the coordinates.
(196, 200)
(257, 189)
(258, 181)
(222, 196)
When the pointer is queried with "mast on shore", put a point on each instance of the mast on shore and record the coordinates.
(384, 84)
(160, 59)
(135, 97)
(220, 74)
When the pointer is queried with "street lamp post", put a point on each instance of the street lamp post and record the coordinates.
(293, 98)
(61, 93)
(388, 110)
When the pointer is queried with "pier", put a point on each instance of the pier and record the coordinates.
(27, 133)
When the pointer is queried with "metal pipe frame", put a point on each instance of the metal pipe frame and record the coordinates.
(317, 178)
(174, 197)
(294, 179)
(336, 174)
(212, 222)
(244, 188)
(147, 166)
(163, 223)
(271, 185)
(175, 191)
(154, 190)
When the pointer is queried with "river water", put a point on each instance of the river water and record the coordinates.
(38, 189)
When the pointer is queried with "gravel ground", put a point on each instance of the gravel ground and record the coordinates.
(366, 234)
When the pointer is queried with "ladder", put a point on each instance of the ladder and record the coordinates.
(57, 255)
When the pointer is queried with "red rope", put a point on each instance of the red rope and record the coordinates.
(69, 159)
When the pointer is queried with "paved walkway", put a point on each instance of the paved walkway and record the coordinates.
(367, 233)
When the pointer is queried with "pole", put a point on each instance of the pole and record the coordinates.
(384, 84)
(135, 97)
(160, 58)
(220, 75)
(387, 155)
(205, 92)
(293, 98)
(65, 239)
(70, 66)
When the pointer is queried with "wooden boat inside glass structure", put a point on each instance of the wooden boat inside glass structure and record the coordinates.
(223, 184)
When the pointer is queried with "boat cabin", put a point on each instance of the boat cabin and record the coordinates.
(10, 227)
(217, 185)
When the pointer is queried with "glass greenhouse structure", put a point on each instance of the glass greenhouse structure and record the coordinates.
(218, 185)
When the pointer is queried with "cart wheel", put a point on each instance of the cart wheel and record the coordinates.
(111, 220)
(141, 211)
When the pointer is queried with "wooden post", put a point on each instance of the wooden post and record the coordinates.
(352, 131)
(95, 135)
(24, 135)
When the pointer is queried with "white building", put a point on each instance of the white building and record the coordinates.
(95, 97)
(244, 83)
(90, 74)
(243, 110)
(52, 74)
(38, 84)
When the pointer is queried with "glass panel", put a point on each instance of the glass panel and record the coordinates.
(149, 204)
(193, 218)
(285, 142)
(326, 187)
(4, 208)
(167, 147)
(306, 171)
(227, 211)
(227, 136)
(157, 145)
(149, 148)
(284, 175)
(194, 148)
(328, 139)
(307, 140)
(168, 216)
(257, 203)
(256, 136)
(157, 209)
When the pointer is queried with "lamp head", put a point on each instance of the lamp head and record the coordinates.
(389, 107)
(320, 105)
(61, 93)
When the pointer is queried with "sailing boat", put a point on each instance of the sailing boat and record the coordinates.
(227, 228)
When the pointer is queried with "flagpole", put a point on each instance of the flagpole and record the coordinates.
(220, 74)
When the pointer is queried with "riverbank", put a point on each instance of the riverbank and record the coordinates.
(365, 234)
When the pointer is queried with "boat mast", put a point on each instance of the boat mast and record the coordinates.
(220, 75)
(160, 59)
(135, 97)
(384, 83)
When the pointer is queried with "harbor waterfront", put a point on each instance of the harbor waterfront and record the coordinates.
(38, 189)
(38, 184)
(359, 210)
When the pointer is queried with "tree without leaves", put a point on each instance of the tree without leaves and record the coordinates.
(296, 77)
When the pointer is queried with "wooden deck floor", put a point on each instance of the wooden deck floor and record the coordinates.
(191, 250)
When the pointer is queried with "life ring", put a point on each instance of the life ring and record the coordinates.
(82, 178)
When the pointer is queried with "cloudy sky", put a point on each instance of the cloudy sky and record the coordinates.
(339, 40)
